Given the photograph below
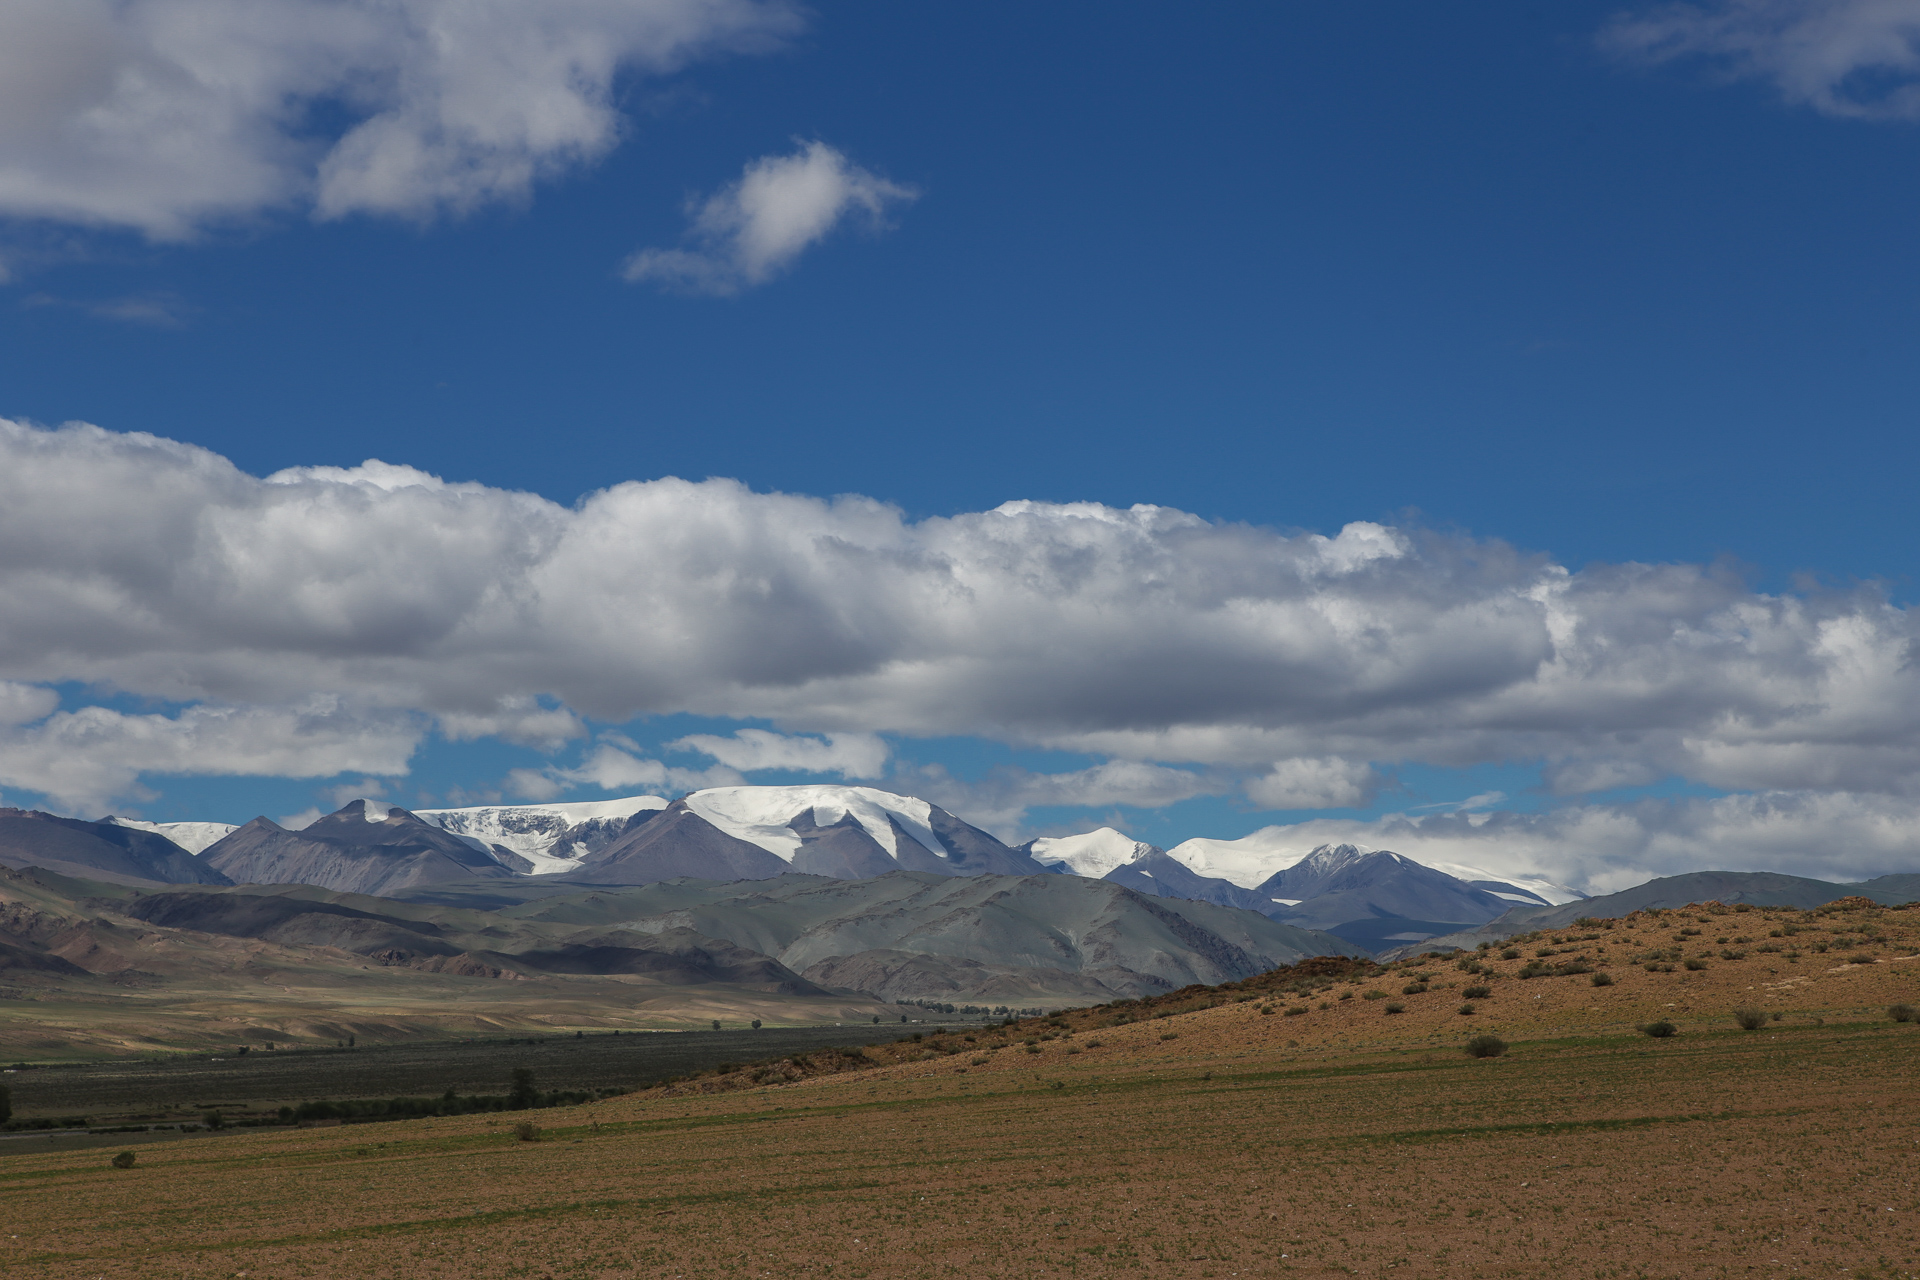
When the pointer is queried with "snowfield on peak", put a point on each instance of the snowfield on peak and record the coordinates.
(194, 837)
(760, 815)
(537, 832)
(1252, 859)
(1091, 854)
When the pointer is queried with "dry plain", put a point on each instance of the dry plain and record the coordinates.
(1205, 1133)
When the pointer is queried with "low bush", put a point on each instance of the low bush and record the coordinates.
(1904, 1013)
(1658, 1030)
(1373, 995)
(1860, 959)
(1511, 953)
(1601, 979)
(1170, 1035)
(1750, 1019)
(1466, 1010)
(1486, 1046)
(526, 1131)
(1695, 963)
(1477, 993)
(1296, 1010)
(1413, 988)
(1396, 1007)
(123, 1161)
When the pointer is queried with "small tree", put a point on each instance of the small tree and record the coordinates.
(716, 1024)
(756, 1024)
(523, 1094)
(214, 1120)
(6, 1104)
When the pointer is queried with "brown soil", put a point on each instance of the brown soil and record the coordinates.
(1343, 1141)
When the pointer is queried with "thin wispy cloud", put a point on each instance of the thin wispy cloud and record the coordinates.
(1849, 58)
(753, 229)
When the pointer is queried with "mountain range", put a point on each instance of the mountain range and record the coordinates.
(510, 856)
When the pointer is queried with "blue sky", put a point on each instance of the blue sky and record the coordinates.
(1496, 273)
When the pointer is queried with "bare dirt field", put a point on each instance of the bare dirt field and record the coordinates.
(1217, 1140)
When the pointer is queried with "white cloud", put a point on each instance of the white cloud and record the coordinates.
(750, 231)
(1605, 848)
(157, 569)
(166, 115)
(612, 768)
(1314, 784)
(84, 758)
(302, 820)
(999, 802)
(851, 755)
(1851, 58)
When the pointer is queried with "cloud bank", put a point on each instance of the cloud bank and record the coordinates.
(166, 115)
(752, 230)
(346, 612)
(1850, 58)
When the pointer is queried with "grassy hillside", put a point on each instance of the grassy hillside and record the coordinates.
(1216, 1140)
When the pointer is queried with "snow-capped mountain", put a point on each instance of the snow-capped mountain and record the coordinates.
(542, 839)
(744, 833)
(1252, 860)
(1092, 854)
(194, 837)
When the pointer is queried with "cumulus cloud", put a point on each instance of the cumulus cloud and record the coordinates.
(1850, 58)
(153, 568)
(165, 115)
(851, 755)
(1604, 848)
(752, 230)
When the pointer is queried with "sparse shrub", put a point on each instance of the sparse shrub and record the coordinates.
(1094, 1044)
(1486, 1046)
(214, 1120)
(526, 1131)
(1266, 1010)
(1576, 966)
(1694, 963)
(1511, 953)
(1477, 993)
(1346, 995)
(1658, 1030)
(1904, 1013)
(1396, 1007)
(1165, 1035)
(1733, 955)
(980, 1061)
(1373, 995)
(1326, 1004)
(1466, 1010)
(1295, 1011)
(123, 1161)
(1601, 979)
(1413, 988)
(1777, 1015)
(1860, 959)
(1034, 1048)
(1750, 1019)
